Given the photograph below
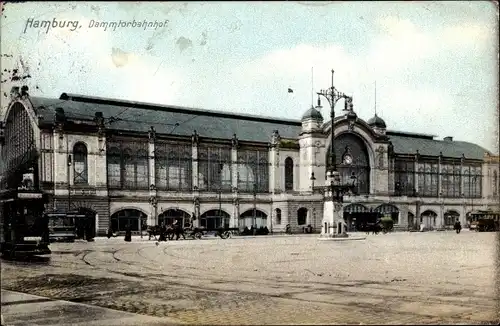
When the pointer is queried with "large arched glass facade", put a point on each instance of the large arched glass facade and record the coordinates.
(214, 218)
(170, 215)
(128, 217)
(248, 218)
(349, 144)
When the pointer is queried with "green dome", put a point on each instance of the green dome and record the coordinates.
(377, 122)
(312, 113)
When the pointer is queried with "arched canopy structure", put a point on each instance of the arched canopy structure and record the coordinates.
(170, 215)
(214, 218)
(19, 152)
(389, 210)
(131, 217)
(356, 208)
(352, 158)
(248, 218)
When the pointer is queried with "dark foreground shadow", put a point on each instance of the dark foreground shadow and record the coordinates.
(24, 260)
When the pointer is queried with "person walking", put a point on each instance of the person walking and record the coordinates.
(128, 233)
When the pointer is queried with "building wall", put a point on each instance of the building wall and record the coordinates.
(310, 158)
(58, 180)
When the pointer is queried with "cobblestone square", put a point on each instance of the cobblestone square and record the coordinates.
(397, 278)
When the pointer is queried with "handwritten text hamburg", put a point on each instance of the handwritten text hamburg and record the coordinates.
(72, 25)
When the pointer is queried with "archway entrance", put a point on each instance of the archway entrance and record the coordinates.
(302, 216)
(247, 219)
(214, 219)
(428, 218)
(355, 214)
(170, 215)
(131, 217)
(352, 159)
(388, 210)
(450, 217)
(411, 221)
(85, 226)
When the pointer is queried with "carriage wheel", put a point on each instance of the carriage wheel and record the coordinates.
(227, 234)
(198, 235)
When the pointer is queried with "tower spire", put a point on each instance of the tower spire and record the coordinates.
(375, 106)
(312, 87)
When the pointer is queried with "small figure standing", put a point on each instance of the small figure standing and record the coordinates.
(163, 232)
(128, 233)
(109, 234)
(457, 226)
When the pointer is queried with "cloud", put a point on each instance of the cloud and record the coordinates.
(399, 46)
(467, 35)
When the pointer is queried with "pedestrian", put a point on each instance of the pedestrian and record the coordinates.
(128, 233)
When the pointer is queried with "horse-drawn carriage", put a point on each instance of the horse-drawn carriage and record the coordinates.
(168, 232)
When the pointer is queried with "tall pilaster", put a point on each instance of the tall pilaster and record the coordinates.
(195, 141)
(153, 217)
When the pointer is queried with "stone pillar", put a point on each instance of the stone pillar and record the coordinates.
(152, 218)
(194, 162)
(234, 168)
(196, 210)
(333, 223)
(233, 222)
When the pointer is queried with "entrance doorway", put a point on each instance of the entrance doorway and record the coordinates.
(85, 225)
(356, 214)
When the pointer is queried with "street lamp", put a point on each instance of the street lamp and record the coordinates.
(338, 190)
(332, 95)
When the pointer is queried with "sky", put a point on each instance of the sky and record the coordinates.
(434, 64)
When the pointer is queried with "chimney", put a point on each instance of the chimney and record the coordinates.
(449, 138)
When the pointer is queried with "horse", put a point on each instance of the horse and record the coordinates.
(153, 231)
(177, 230)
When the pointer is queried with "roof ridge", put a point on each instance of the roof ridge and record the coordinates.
(170, 108)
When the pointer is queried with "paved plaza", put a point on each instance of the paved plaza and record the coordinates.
(396, 278)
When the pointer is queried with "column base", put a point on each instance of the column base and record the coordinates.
(334, 235)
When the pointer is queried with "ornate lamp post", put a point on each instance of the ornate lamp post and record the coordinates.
(333, 202)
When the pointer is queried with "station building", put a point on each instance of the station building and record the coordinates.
(123, 162)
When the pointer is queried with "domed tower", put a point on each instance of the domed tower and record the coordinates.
(378, 124)
(311, 141)
(312, 120)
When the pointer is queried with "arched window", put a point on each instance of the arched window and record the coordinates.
(256, 218)
(278, 216)
(351, 145)
(302, 216)
(450, 217)
(170, 215)
(80, 168)
(214, 219)
(288, 174)
(127, 217)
